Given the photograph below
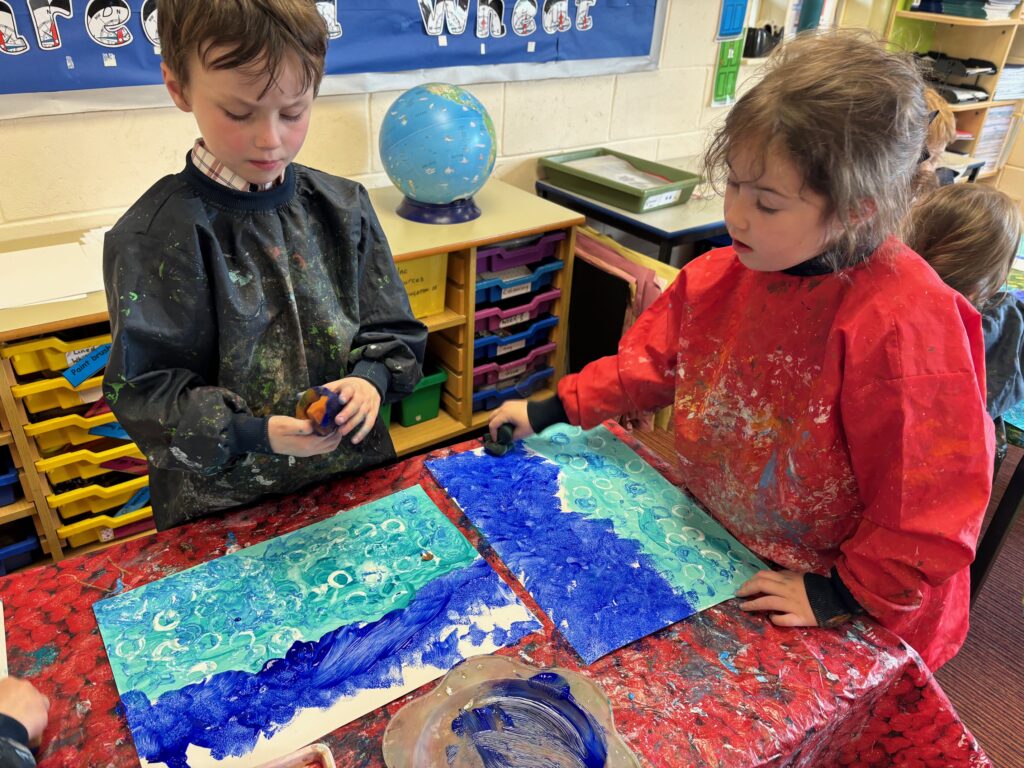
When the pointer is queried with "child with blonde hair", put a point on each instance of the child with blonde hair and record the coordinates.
(970, 234)
(828, 387)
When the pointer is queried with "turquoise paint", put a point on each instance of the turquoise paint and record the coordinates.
(244, 609)
(602, 479)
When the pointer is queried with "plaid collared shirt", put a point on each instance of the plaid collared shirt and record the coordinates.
(205, 161)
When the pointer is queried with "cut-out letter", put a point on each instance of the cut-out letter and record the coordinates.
(329, 11)
(11, 42)
(490, 21)
(106, 22)
(524, 17)
(44, 18)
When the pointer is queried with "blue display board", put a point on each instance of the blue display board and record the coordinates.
(68, 45)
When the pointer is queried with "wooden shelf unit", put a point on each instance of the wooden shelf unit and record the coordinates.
(508, 214)
(962, 37)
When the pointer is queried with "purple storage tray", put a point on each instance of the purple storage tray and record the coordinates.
(494, 319)
(498, 257)
(490, 374)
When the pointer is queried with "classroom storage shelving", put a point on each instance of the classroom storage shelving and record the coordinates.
(988, 127)
(77, 490)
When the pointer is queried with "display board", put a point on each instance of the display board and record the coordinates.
(51, 51)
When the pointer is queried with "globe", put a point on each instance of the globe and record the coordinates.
(437, 145)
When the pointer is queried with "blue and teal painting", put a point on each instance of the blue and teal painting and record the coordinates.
(608, 548)
(248, 657)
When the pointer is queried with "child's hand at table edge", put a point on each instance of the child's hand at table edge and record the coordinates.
(511, 412)
(781, 592)
(295, 437)
(362, 402)
(20, 700)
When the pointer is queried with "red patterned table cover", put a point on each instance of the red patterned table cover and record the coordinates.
(722, 688)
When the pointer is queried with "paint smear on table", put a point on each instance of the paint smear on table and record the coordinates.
(247, 657)
(610, 550)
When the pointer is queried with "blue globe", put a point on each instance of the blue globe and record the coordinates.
(437, 145)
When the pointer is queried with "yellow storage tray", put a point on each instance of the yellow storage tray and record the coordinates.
(95, 498)
(50, 353)
(83, 464)
(47, 394)
(425, 280)
(64, 430)
(103, 527)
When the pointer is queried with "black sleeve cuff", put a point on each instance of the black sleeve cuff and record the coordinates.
(831, 602)
(13, 729)
(249, 434)
(543, 413)
(374, 372)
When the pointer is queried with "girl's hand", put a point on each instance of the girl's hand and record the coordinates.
(781, 592)
(511, 412)
(362, 402)
(295, 437)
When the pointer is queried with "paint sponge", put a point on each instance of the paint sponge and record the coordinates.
(320, 405)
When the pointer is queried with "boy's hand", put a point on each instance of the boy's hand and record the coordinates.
(781, 592)
(19, 699)
(295, 437)
(362, 401)
(511, 412)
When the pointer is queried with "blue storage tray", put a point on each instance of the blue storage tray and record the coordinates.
(486, 347)
(18, 554)
(499, 288)
(492, 398)
(9, 486)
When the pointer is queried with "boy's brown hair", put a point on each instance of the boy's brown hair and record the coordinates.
(851, 117)
(970, 234)
(255, 35)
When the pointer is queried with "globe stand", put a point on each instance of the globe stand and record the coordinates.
(454, 212)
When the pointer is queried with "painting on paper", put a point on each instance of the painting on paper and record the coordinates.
(608, 548)
(248, 657)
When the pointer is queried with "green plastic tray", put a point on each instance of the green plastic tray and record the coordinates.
(676, 190)
(425, 401)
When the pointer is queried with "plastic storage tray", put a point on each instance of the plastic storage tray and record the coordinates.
(93, 499)
(46, 394)
(10, 488)
(85, 463)
(495, 258)
(425, 401)
(488, 347)
(50, 353)
(73, 429)
(491, 374)
(496, 318)
(18, 554)
(106, 527)
(498, 286)
(492, 398)
(677, 188)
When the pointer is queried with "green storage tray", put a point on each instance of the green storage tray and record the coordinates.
(385, 413)
(425, 401)
(676, 190)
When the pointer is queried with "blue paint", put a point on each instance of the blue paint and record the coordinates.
(601, 591)
(534, 722)
(768, 475)
(727, 662)
(227, 712)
